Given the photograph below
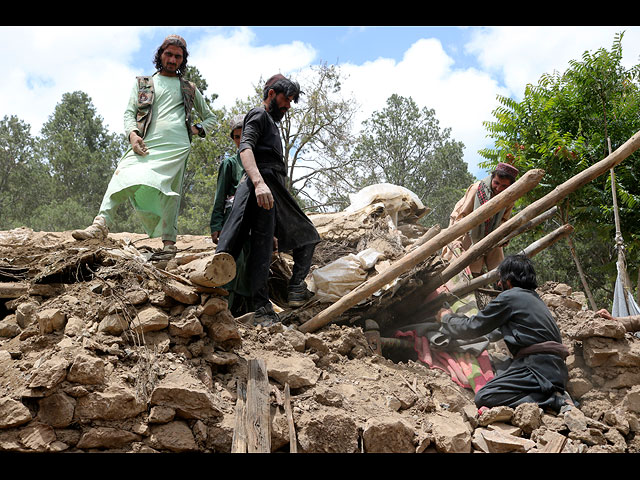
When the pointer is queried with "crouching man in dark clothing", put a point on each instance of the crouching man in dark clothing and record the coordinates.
(538, 372)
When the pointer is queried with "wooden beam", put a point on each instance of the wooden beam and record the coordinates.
(536, 208)
(525, 184)
(493, 276)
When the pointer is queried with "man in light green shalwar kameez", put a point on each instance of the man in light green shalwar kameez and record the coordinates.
(158, 123)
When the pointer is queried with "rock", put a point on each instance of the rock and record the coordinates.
(49, 373)
(74, 326)
(9, 328)
(334, 432)
(575, 420)
(150, 319)
(174, 436)
(26, 314)
(13, 413)
(600, 352)
(388, 435)
(297, 371)
(450, 433)
(137, 296)
(598, 327)
(86, 369)
(186, 395)
(214, 305)
(527, 416)
(38, 437)
(186, 327)
(57, 410)
(222, 328)
(115, 403)
(113, 324)
(494, 441)
(495, 414)
(632, 399)
(107, 437)
(51, 319)
(161, 414)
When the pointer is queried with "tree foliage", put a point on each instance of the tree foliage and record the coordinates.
(562, 126)
(405, 145)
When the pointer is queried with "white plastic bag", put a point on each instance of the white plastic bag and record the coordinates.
(339, 277)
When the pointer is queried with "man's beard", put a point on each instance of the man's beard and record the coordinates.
(275, 112)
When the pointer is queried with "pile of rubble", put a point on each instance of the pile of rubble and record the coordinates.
(102, 350)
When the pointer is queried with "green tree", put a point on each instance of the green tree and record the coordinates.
(562, 126)
(22, 175)
(81, 155)
(201, 173)
(405, 145)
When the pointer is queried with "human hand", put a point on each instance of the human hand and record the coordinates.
(275, 244)
(604, 313)
(442, 312)
(215, 236)
(137, 144)
(264, 196)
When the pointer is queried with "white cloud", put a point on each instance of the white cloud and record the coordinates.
(522, 54)
(233, 64)
(46, 62)
(462, 98)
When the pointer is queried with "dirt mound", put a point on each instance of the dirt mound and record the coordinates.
(102, 350)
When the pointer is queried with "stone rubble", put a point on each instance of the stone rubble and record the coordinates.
(123, 363)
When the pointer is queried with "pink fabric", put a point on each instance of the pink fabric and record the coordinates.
(465, 369)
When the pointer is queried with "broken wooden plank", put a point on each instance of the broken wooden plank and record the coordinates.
(525, 184)
(239, 440)
(258, 416)
(293, 439)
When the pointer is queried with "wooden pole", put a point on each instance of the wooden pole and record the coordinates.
(530, 224)
(559, 193)
(532, 250)
(525, 184)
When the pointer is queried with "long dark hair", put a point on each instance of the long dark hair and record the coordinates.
(158, 63)
(518, 269)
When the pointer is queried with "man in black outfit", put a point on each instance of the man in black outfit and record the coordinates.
(538, 372)
(263, 207)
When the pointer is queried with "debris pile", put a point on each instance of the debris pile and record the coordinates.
(102, 350)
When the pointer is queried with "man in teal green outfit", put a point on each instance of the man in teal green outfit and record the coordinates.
(230, 173)
(159, 127)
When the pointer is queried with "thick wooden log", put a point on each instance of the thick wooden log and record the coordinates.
(18, 289)
(536, 208)
(525, 184)
(213, 271)
(493, 276)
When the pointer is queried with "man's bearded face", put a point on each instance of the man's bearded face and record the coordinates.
(278, 106)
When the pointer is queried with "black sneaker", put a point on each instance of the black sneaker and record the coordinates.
(298, 295)
(265, 316)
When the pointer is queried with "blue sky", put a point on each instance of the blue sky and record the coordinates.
(457, 71)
